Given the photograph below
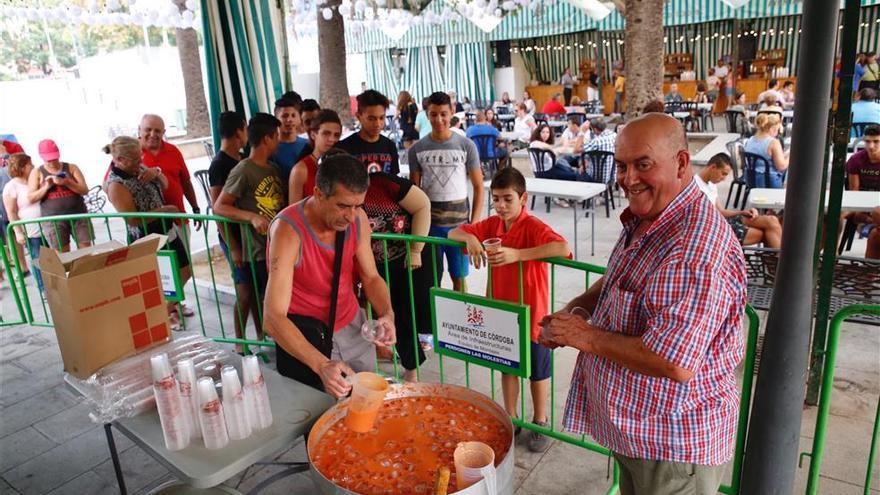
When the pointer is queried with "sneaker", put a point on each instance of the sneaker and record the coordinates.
(537, 442)
(561, 203)
(426, 341)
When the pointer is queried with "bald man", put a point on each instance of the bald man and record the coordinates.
(166, 156)
(654, 380)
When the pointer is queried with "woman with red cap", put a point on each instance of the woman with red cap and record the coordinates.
(60, 187)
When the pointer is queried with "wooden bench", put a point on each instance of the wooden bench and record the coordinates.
(855, 281)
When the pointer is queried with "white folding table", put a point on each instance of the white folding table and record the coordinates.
(295, 408)
(570, 190)
(774, 199)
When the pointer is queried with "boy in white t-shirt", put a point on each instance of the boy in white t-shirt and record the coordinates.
(573, 135)
(749, 226)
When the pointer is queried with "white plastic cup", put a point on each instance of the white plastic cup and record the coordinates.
(211, 415)
(367, 393)
(237, 424)
(186, 375)
(370, 330)
(256, 393)
(473, 462)
(579, 311)
(492, 245)
(173, 411)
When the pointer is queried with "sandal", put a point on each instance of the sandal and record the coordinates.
(187, 311)
(174, 322)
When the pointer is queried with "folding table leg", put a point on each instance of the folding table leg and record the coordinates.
(593, 232)
(114, 455)
(575, 212)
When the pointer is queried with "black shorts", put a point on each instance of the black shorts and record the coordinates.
(739, 228)
(541, 362)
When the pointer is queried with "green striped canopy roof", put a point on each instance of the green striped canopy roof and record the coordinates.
(562, 18)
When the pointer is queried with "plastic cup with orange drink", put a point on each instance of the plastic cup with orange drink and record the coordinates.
(492, 245)
(367, 394)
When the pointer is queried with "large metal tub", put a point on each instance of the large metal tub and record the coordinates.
(337, 413)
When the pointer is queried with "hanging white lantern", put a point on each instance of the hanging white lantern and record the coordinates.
(345, 9)
(508, 5)
(190, 5)
(187, 16)
(360, 6)
(93, 7)
(327, 13)
(112, 5)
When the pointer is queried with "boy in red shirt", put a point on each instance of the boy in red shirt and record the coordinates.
(525, 239)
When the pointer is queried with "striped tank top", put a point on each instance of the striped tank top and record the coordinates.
(313, 272)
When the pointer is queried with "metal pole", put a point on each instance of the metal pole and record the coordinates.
(771, 452)
(734, 62)
(840, 136)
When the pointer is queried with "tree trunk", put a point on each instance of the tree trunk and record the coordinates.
(198, 121)
(331, 57)
(643, 54)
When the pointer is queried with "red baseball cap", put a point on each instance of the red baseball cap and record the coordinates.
(49, 150)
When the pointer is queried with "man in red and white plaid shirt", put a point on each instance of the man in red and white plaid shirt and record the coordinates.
(655, 381)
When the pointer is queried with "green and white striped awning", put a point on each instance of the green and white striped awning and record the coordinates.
(468, 69)
(359, 38)
(381, 74)
(423, 74)
(245, 52)
(561, 17)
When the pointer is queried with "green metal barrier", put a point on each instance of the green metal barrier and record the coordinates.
(11, 277)
(826, 388)
(105, 227)
(115, 228)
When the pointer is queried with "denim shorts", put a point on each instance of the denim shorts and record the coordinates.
(240, 274)
(455, 257)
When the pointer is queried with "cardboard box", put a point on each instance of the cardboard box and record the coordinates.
(106, 302)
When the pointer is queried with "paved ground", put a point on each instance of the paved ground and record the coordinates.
(48, 444)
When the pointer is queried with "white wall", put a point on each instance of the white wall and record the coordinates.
(513, 79)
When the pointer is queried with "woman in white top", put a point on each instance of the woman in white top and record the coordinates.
(560, 169)
(523, 124)
(19, 207)
(572, 135)
(529, 103)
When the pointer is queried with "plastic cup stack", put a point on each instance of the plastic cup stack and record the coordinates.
(211, 415)
(256, 393)
(186, 375)
(237, 424)
(173, 411)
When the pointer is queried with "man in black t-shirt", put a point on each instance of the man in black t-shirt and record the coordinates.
(233, 137)
(369, 145)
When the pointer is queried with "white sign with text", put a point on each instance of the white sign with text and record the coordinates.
(478, 331)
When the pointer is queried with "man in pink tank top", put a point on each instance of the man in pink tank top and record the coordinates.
(301, 253)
